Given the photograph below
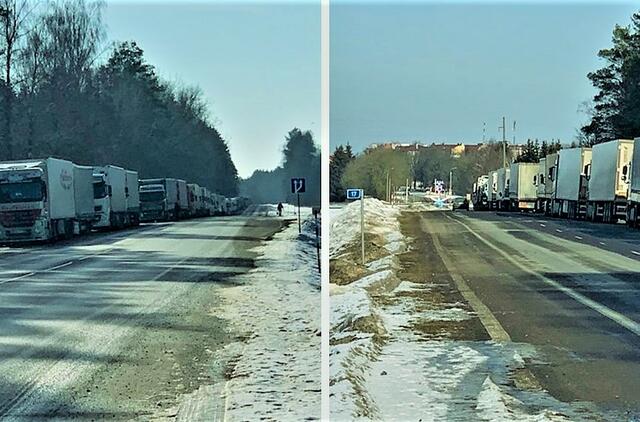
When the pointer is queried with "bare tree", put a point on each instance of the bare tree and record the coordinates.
(14, 15)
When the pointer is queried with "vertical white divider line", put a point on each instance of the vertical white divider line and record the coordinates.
(326, 151)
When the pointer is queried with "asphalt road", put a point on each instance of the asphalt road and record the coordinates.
(118, 325)
(568, 288)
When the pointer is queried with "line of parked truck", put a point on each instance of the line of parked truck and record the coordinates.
(48, 199)
(601, 183)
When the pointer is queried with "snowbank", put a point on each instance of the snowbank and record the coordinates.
(382, 369)
(380, 219)
(274, 374)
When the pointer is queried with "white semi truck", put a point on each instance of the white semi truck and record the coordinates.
(479, 198)
(540, 182)
(502, 189)
(38, 200)
(492, 188)
(609, 181)
(522, 188)
(633, 204)
(110, 188)
(195, 199)
(159, 199)
(547, 179)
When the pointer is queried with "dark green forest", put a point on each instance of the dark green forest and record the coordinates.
(300, 158)
(66, 91)
(614, 112)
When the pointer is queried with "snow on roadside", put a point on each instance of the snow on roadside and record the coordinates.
(275, 373)
(381, 370)
(380, 218)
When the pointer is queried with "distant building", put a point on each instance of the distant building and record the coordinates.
(456, 150)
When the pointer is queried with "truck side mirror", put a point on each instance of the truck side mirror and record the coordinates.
(43, 186)
(110, 190)
(587, 171)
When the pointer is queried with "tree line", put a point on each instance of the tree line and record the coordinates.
(300, 158)
(67, 92)
(614, 112)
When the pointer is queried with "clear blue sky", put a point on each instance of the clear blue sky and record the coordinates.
(257, 63)
(428, 72)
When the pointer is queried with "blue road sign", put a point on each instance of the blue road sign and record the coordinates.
(298, 185)
(354, 194)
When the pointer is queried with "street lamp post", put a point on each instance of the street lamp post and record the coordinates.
(389, 170)
(451, 180)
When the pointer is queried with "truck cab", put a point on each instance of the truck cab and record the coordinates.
(101, 199)
(23, 212)
(153, 202)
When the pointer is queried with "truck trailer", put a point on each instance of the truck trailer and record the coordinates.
(110, 197)
(38, 200)
(83, 194)
(609, 181)
(194, 199)
(572, 183)
(132, 192)
(182, 210)
(522, 187)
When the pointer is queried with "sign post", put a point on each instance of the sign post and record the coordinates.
(298, 186)
(354, 194)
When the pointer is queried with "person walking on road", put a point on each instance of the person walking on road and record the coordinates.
(280, 208)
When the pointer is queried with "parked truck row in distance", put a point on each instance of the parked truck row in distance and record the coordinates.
(601, 183)
(49, 199)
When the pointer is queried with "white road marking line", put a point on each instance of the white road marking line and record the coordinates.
(559, 231)
(578, 237)
(635, 252)
(17, 278)
(543, 225)
(602, 243)
(488, 320)
(57, 267)
(616, 317)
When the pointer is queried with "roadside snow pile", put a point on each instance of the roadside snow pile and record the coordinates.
(383, 368)
(275, 373)
(380, 219)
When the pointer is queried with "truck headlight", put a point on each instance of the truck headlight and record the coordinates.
(38, 227)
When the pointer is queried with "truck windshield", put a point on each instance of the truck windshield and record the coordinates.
(151, 196)
(21, 192)
(99, 190)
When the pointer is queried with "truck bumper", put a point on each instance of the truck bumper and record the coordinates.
(38, 232)
(152, 215)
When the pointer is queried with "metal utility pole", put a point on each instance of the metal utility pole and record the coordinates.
(362, 224)
(504, 142)
(514, 132)
(484, 131)
(387, 195)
